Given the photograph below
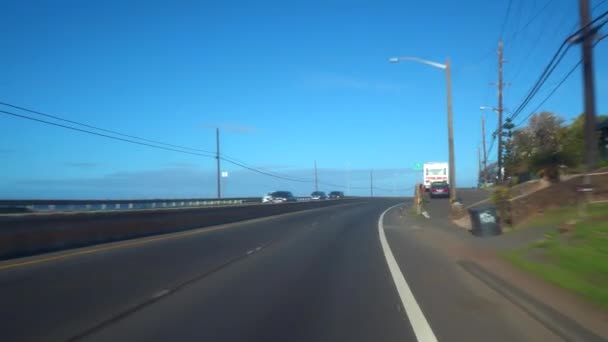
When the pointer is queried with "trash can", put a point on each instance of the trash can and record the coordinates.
(484, 221)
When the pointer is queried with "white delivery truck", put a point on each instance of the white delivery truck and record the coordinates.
(434, 172)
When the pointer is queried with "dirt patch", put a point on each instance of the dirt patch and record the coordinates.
(463, 222)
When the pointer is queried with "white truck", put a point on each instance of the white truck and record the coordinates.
(435, 172)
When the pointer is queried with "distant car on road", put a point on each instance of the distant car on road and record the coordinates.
(336, 195)
(279, 197)
(318, 195)
(439, 189)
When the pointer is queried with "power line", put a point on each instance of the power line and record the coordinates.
(105, 135)
(557, 58)
(150, 145)
(598, 4)
(102, 129)
(492, 145)
(530, 21)
(592, 9)
(265, 173)
(558, 85)
(229, 160)
(518, 12)
(504, 22)
(227, 157)
(536, 43)
(551, 93)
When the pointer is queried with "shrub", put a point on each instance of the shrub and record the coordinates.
(500, 198)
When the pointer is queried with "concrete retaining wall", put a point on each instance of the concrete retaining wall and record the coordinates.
(557, 195)
(22, 235)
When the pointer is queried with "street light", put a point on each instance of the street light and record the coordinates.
(446, 67)
(493, 109)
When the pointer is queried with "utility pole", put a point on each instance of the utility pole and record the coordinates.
(591, 148)
(478, 163)
(483, 142)
(217, 157)
(371, 183)
(452, 161)
(316, 179)
(500, 110)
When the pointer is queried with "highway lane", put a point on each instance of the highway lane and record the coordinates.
(318, 275)
(310, 259)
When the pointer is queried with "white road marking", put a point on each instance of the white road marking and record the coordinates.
(420, 325)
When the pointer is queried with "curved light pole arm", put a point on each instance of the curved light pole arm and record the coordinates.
(418, 60)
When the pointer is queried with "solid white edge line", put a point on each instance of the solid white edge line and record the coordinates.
(419, 324)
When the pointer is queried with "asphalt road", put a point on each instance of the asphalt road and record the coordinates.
(440, 207)
(318, 275)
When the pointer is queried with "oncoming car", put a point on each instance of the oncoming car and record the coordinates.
(278, 197)
(318, 195)
(336, 195)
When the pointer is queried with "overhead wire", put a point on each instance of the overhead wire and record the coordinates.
(189, 151)
(536, 43)
(225, 157)
(566, 76)
(105, 135)
(550, 68)
(529, 22)
(101, 129)
(506, 19)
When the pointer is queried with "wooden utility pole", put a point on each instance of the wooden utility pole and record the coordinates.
(500, 110)
(316, 179)
(591, 148)
(479, 167)
(452, 159)
(217, 157)
(483, 142)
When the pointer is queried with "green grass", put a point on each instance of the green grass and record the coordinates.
(550, 218)
(577, 260)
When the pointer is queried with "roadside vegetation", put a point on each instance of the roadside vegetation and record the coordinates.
(545, 147)
(574, 255)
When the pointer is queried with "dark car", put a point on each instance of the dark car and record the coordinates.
(318, 195)
(279, 197)
(336, 194)
(439, 189)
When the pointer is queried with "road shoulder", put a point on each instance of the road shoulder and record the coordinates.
(565, 314)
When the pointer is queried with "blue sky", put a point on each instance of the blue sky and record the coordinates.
(287, 82)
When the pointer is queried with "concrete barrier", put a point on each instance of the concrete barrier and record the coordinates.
(49, 206)
(22, 235)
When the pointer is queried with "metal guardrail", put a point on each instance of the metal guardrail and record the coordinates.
(50, 206)
(59, 206)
